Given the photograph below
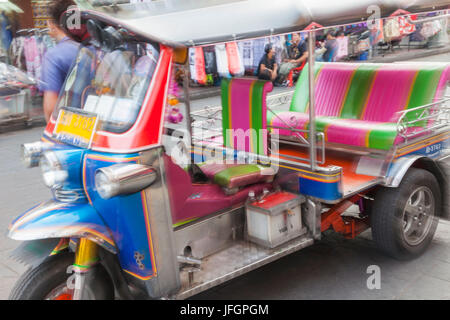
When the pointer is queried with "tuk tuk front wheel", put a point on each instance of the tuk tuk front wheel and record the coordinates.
(404, 219)
(48, 281)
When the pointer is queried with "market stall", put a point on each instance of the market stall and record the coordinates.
(14, 96)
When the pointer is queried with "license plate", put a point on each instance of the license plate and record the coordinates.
(75, 127)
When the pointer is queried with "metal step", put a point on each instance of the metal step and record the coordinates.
(240, 258)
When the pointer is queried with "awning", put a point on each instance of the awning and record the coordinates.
(7, 6)
(201, 22)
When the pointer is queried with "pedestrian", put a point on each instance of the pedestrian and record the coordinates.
(267, 69)
(297, 53)
(331, 46)
(59, 59)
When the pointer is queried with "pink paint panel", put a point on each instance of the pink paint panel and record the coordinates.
(390, 92)
(442, 85)
(350, 132)
(239, 101)
(331, 88)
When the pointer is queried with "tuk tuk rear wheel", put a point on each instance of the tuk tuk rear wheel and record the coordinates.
(48, 281)
(404, 219)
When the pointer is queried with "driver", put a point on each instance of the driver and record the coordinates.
(57, 60)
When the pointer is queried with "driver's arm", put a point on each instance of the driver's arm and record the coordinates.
(52, 80)
(50, 100)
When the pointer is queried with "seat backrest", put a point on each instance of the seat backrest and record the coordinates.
(335, 83)
(389, 92)
(244, 108)
(369, 91)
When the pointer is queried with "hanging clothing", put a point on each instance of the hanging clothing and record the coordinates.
(246, 49)
(342, 47)
(258, 52)
(5, 32)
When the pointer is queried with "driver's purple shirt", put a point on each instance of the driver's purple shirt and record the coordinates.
(57, 63)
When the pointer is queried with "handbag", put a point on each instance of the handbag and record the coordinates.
(430, 28)
(392, 30)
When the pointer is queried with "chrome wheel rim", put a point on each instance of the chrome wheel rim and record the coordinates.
(418, 215)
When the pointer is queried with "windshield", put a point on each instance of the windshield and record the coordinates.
(111, 84)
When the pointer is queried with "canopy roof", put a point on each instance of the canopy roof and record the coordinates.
(201, 22)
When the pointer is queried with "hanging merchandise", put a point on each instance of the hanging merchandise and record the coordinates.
(406, 28)
(342, 47)
(27, 51)
(235, 63)
(364, 45)
(210, 64)
(16, 53)
(353, 42)
(258, 52)
(222, 61)
(173, 113)
(279, 45)
(197, 65)
(5, 31)
(391, 30)
(32, 57)
(246, 50)
(442, 36)
(40, 13)
(430, 29)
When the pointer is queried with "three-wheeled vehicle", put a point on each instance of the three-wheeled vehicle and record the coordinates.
(142, 210)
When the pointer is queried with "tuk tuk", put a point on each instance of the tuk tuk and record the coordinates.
(144, 210)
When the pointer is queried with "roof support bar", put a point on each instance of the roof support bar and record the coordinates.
(187, 97)
(312, 110)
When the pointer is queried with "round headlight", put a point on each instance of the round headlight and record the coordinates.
(120, 179)
(31, 153)
(52, 171)
(106, 187)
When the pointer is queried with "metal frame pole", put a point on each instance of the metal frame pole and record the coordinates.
(312, 104)
(187, 101)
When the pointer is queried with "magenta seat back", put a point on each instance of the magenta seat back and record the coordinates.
(244, 114)
(390, 92)
(332, 84)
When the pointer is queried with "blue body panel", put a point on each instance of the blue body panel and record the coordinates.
(120, 224)
(432, 150)
(328, 191)
(125, 215)
(54, 219)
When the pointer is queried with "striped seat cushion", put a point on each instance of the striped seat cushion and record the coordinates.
(244, 114)
(359, 104)
(231, 176)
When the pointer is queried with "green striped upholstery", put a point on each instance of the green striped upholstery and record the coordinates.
(358, 104)
(244, 113)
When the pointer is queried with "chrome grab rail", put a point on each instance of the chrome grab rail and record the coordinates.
(318, 134)
(206, 120)
(438, 111)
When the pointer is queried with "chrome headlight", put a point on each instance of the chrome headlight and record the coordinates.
(123, 179)
(53, 173)
(31, 153)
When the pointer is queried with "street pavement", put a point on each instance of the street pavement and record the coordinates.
(333, 268)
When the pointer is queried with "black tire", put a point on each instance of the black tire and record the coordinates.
(388, 214)
(37, 283)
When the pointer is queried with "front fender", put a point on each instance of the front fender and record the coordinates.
(398, 170)
(54, 219)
